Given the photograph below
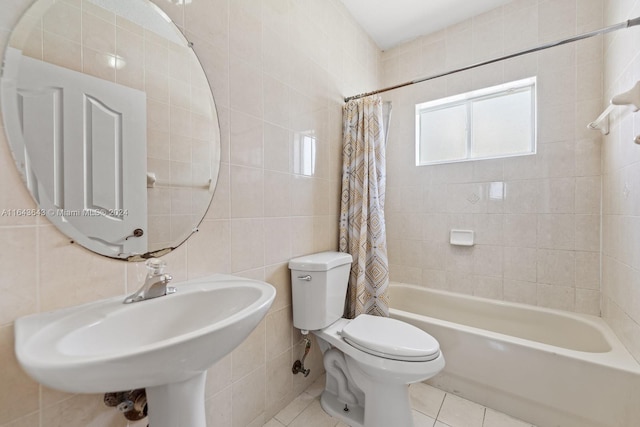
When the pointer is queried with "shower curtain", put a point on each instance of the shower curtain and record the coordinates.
(362, 226)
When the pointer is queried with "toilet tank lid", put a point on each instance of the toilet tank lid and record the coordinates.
(322, 261)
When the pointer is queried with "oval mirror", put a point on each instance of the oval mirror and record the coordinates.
(112, 124)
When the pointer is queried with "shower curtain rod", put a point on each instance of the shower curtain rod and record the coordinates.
(627, 24)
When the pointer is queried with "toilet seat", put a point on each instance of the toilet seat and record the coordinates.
(390, 339)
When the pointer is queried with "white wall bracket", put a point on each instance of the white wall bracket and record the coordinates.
(630, 97)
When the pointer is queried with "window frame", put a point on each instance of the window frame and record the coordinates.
(467, 99)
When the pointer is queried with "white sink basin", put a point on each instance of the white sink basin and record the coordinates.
(164, 344)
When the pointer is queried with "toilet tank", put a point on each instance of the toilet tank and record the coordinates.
(319, 288)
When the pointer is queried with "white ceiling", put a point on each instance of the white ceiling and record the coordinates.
(390, 23)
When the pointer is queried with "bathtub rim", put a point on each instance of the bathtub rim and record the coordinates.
(617, 358)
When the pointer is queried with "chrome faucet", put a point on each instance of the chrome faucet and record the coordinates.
(155, 285)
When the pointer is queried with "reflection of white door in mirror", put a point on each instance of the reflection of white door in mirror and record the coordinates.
(129, 44)
(81, 122)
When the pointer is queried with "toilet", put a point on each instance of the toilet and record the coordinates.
(369, 361)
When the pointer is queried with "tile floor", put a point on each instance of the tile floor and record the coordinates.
(431, 408)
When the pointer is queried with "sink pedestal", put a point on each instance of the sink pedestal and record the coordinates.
(178, 404)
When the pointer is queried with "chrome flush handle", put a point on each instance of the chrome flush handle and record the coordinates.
(306, 278)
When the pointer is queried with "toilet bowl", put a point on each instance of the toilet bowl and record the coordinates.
(370, 361)
(382, 379)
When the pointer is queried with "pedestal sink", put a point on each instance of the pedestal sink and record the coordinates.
(164, 344)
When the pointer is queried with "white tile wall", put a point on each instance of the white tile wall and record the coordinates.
(535, 242)
(621, 190)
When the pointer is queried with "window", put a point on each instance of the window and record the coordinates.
(498, 121)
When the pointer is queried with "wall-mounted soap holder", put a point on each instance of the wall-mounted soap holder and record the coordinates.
(462, 237)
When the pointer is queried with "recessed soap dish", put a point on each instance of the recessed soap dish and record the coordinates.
(462, 237)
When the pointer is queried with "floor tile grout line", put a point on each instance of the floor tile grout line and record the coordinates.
(441, 405)
(305, 408)
(299, 413)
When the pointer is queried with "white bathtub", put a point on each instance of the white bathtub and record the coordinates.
(547, 367)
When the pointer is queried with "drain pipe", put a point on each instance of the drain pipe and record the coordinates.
(132, 404)
(298, 365)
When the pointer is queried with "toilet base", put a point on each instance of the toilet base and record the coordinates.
(378, 387)
(354, 417)
(397, 414)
